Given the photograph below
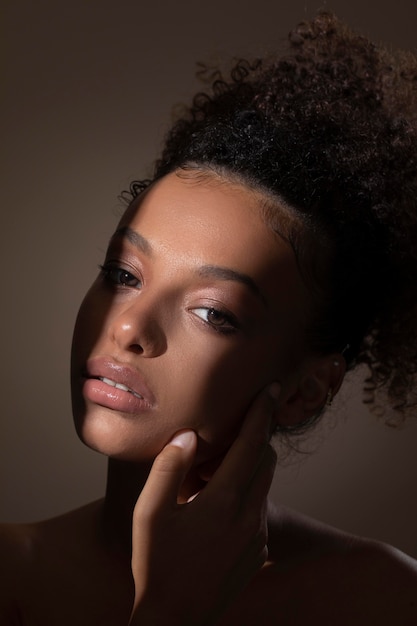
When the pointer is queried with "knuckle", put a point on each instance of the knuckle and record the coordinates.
(168, 460)
(144, 515)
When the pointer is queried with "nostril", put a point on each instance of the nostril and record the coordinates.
(136, 348)
(137, 329)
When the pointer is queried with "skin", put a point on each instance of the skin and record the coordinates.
(202, 374)
(211, 401)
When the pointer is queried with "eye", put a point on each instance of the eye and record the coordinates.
(218, 320)
(119, 276)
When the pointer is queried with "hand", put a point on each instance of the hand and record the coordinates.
(190, 560)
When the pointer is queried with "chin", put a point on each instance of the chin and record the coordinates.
(112, 437)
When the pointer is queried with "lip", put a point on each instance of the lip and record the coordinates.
(99, 392)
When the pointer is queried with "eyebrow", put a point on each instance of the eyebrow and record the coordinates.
(225, 273)
(205, 271)
(134, 238)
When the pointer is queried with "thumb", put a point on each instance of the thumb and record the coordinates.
(167, 474)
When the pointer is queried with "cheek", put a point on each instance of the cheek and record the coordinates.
(218, 387)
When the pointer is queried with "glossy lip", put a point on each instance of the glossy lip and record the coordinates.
(104, 367)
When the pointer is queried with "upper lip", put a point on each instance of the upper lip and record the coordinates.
(104, 367)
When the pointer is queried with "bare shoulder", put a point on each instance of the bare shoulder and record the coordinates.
(30, 555)
(363, 580)
(319, 575)
(20, 543)
(342, 578)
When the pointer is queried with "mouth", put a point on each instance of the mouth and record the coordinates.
(108, 378)
(113, 383)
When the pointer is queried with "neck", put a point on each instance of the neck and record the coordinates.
(125, 482)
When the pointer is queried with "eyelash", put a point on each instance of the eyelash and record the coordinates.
(230, 326)
(113, 275)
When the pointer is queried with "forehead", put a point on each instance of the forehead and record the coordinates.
(196, 220)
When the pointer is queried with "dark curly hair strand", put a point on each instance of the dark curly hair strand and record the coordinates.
(329, 129)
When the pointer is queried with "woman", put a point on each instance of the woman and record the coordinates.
(272, 251)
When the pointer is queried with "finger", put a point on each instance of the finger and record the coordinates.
(248, 449)
(167, 474)
(260, 482)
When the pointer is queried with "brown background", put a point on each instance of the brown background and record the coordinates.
(88, 89)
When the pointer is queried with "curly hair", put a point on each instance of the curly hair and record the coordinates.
(330, 129)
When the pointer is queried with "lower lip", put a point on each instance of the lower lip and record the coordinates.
(113, 398)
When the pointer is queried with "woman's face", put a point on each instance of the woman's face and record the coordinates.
(198, 306)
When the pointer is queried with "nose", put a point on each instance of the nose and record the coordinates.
(138, 328)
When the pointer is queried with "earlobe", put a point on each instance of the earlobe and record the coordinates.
(315, 388)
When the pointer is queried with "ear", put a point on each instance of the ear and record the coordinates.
(316, 385)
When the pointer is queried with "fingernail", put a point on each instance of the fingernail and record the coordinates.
(184, 439)
(274, 390)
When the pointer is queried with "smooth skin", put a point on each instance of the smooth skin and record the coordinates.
(199, 309)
